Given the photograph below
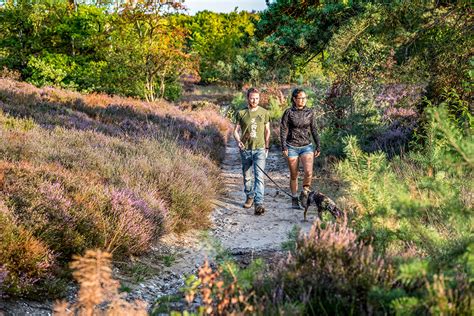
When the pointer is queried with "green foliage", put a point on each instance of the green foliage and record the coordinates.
(138, 52)
(49, 43)
(296, 32)
(218, 39)
(405, 306)
(412, 272)
(422, 199)
(372, 41)
(239, 102)
(342, 117)
(49, 69)
(275, 109)
(173, 91)
(293, 236)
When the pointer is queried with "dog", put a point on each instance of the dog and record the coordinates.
(321, 201)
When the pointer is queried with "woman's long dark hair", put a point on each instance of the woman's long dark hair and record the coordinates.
(294, 94)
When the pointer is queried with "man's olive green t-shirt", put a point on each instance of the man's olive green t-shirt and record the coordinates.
(252, 124)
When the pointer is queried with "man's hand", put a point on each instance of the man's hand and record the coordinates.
(316, 153)
(266, 152)
(285, 153)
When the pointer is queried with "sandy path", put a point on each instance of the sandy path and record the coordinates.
(239, 229)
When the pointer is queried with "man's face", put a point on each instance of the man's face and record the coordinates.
(253, 99)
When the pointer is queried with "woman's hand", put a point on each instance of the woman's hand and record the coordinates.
(316, 153)
(241, 145)
(285, 153)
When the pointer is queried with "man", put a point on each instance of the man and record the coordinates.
(252, 133)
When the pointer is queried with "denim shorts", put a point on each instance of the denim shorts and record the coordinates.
(294, 152)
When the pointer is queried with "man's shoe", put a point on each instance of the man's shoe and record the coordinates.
(295, 203)
(248, 203)
(259, 209)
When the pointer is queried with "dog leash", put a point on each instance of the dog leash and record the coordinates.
(281, 189)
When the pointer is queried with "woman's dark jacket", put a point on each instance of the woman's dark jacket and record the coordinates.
(296, 128)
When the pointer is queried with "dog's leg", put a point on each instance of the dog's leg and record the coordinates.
(320, 213)
(304, 201)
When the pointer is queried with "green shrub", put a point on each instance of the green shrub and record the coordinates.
(239, 102)
(51, 69)
(173, 91)
(275, 109)
(420, 199)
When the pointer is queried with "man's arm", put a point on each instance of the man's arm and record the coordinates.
(267, 138)
(237, 136)
(267, 135)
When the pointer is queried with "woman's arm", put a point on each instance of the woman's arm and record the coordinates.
(314, 133)
(284, 130)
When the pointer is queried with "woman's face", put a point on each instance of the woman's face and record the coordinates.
(300, 100)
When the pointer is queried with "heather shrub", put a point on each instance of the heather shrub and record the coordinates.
(330, 271)
(141, 151)
(63, 213)
(10, 73)
(71, 213)
(203, 131)
(26, 261)
(185, 182)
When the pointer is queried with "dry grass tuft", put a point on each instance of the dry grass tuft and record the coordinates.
(98, 293)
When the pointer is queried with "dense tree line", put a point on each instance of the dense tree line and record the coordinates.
(141, 49)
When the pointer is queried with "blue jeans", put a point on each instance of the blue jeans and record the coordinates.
(253, 176)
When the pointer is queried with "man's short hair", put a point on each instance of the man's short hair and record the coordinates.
(252, 90)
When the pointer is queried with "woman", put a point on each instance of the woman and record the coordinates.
(296, 128)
